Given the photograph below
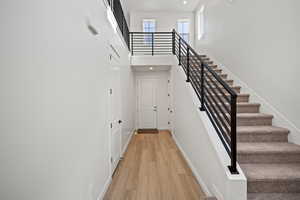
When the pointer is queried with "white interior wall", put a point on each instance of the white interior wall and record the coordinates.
(54, 77)
(165, 21)
(258, 41)
(200, 144)
(162, 78)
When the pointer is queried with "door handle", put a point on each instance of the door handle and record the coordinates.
(155, 108)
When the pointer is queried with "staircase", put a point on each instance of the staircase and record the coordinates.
(270, 163)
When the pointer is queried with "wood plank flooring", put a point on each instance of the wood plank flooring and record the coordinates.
(154, 169)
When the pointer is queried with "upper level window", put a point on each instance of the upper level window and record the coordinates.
(183, 26)
(200, 19)
(149, 25)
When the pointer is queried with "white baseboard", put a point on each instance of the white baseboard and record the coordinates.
(266, 107)
(202, 184)
(127, 143)
(105, 188)
(108, 182)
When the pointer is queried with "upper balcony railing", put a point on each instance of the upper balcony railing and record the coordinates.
(151, 43)
(117, 10)
(217, 98)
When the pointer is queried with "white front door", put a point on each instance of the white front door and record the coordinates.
(115, 116)
(147, 105)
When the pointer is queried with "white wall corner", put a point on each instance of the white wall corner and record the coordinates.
(105, 189)
(196, 174)
(127, 142)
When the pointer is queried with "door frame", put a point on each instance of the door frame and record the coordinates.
(113, 63)
(137, 100)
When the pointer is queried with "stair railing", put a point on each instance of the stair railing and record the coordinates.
(117, 10)
(217, 97)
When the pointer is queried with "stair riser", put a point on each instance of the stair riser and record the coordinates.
(268, 158)
(194, 71)
(248, 109)
(230, 83)
(236, 89)
(274, 186)
(251, 137)
(273, 196)
(255, 121)
(240, 99)
(223, 76)
(208, 62)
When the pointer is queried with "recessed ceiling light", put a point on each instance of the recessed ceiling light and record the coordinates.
(185, 2)
(150, 68)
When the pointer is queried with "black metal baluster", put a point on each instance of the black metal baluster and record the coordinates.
(179, 52)
(173, 41)
(233, 167)
(188, 65)
(152, 44)
(202, 108)
(132, 44)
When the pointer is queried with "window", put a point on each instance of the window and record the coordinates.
(149, 27)
(200, 19)
(183, 26)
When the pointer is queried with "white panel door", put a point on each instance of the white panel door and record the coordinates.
(115, 115)
(147, 107)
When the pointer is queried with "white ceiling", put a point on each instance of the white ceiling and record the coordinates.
(161, 5)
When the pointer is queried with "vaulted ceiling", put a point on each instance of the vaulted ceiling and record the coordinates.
(162, 5)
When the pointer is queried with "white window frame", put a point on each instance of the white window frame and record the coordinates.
(189, 27)
(200, 23)
(149, 20)
(148, 37)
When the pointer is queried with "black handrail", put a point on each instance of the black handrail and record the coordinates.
(217, 98)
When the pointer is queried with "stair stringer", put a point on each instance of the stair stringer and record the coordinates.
(201, 145)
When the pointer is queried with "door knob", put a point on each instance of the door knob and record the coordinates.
(120, 121)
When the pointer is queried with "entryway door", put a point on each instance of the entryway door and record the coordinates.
(147, 104)
(115, 115)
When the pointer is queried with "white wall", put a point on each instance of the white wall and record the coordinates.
(128, 102)
(54, 81)
(162, 98)
(200, 144)
(259, 42)
(165, 21)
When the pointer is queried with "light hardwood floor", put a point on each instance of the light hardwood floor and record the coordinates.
(154, 169)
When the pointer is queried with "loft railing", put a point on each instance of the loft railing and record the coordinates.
(151, 43)
(117, 10)
(217, 98)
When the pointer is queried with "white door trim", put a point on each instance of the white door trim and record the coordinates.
(138, 109)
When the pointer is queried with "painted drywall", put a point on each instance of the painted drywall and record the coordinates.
(55, 76)
(128, 101)
(258, 41)
(165, 21)
(162, 98)
(200, 144)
